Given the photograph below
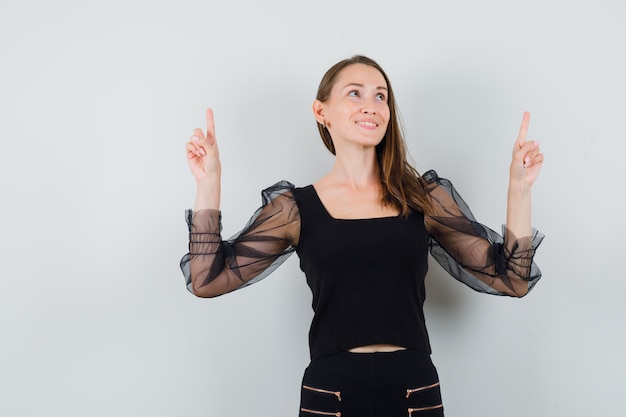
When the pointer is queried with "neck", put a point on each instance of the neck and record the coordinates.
(358, 168)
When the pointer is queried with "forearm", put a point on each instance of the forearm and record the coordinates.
(525, 165)
(518, 216)
(208, 192)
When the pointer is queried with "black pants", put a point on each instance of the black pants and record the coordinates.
(395, 384)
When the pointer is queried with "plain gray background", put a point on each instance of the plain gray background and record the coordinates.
(97, 100)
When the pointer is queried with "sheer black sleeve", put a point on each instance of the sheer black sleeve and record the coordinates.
(474, 254)
(214, 266)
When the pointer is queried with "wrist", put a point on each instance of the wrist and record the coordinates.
(208, 192)
(209, 182)
(519, 187)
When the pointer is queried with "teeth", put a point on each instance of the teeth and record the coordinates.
(367, 124)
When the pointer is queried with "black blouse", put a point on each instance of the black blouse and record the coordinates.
(367, 280)
(469, 251)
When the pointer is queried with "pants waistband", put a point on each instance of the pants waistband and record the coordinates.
(377, 364)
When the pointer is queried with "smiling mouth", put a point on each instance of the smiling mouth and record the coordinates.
(368, 124)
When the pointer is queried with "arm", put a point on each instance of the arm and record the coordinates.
(525, 166)
(214, 266)
(473, 253)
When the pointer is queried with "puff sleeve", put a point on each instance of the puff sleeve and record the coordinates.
(214, 266)
(473, 253)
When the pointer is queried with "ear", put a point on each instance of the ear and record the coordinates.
(319, 111)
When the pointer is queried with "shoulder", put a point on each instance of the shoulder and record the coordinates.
(285, 193)
(430, 176)
(433, 182)
(304, 196)
(281, 187)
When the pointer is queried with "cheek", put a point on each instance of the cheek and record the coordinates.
(386, 116)
(385, 112)
(344, 112)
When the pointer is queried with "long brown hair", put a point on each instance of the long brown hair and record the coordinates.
(402, 186)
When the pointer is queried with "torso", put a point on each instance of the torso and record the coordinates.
(365, 204)
(369, 274)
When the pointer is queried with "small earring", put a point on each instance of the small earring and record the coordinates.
(325, 127)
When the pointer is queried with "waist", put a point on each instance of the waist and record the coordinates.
(376, 348)
(383, 364)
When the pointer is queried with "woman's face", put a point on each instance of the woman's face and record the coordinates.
(357, 111)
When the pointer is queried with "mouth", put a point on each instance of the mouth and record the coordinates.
(367, 123)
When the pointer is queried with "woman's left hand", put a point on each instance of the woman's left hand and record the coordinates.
(527, 157)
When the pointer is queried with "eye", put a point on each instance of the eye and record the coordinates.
(381, 97)
(353, 93)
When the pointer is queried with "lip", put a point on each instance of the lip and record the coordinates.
(367, 123)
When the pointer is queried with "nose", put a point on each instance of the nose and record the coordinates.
(369, 106)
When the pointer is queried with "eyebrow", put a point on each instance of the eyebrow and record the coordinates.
(362, 86)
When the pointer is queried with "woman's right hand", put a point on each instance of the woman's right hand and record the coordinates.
(202, 153)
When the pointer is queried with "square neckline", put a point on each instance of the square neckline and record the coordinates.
(327, 213)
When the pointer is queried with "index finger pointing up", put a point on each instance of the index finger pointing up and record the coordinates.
(210, 126)
(523, 130)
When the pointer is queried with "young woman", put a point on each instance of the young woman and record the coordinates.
(363, 233)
